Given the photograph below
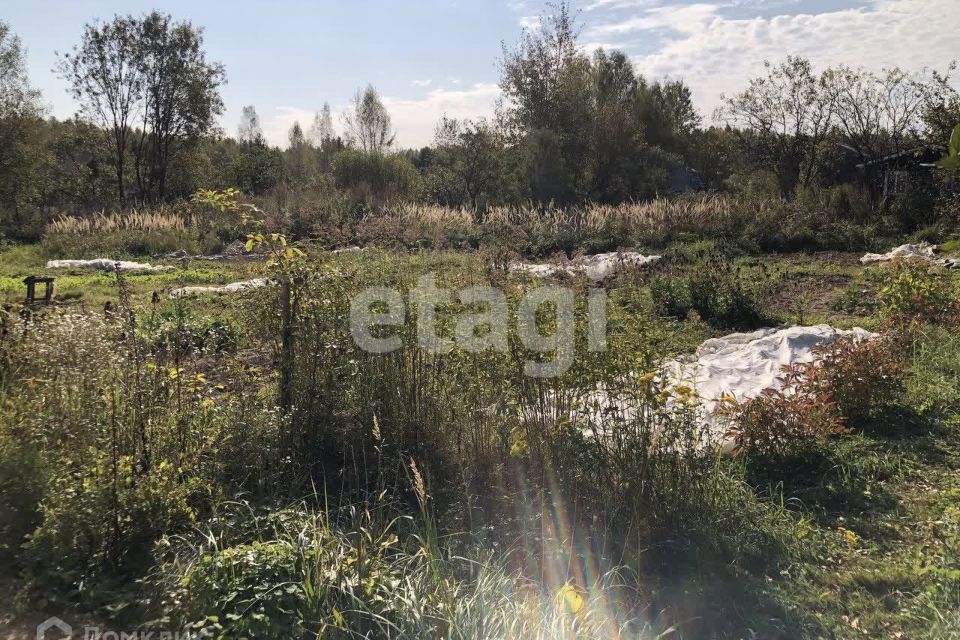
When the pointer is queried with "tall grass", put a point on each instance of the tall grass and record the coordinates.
(148, 221)
(752, 223)
(137, 233)
(297, 572)
(749, 222)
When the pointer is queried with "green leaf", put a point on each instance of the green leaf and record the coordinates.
(955, 142)
(950, 162)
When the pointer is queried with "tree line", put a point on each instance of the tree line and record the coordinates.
(571, 127)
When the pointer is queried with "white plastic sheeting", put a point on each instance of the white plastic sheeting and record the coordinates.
(597, 267)
(740, 364)
(744, 364)
(105, 264)
(233, 287)
(923, 251)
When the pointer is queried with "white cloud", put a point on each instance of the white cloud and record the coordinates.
(529, 22)
(619, 4)
(416, 119)
(276, 125)
(518, 6)
(590, 47)
(716, 54)
(421, 83)
(690, 19)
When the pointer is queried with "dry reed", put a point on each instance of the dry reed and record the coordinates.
(134, 220)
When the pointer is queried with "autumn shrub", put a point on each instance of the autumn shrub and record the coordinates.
(100, 519)
(107, 443)
(801, 408)
(863, 375)
(372, 179)
(23, 479)
(847, 382)
(179, 331)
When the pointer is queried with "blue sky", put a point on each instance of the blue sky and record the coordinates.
(435, 57)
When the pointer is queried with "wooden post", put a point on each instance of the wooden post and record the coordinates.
(286, 346)
(31, 289)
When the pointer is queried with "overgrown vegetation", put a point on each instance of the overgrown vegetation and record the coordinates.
(237, 466)
(150, 472)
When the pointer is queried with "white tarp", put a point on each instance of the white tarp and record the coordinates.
(105, 264)
(740, 364)
(596, 268)
(923, 251)
(233, 287)
(744, 364)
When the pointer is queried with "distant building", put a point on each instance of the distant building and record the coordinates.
(899, 172)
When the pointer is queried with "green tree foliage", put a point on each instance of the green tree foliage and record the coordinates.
(572, 127)
(20, 125)
(295, 136)
(148, 73)
(591, 128)
(300, 159)
(548, 84)
(105, 78)
(249, 131)
(321, 131)
(668, 115)
(785, 116)
(367, 122)
(952, 159)
(375, 178)
(255, 167)
(181, 97)
(941, 109)
(617, 131)
(17, 97)
(468, 163)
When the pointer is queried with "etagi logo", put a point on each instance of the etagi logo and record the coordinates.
(483, 330)
(54, 629)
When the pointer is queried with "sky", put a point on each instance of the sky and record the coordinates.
(430, 58)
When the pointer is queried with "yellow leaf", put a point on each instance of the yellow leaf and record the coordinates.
(573, 599)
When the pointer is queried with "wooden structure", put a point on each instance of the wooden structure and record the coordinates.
(32, 282)
(899, 172)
